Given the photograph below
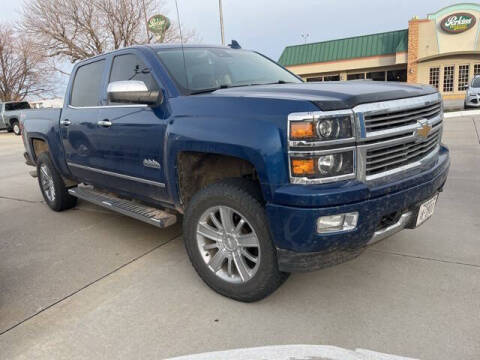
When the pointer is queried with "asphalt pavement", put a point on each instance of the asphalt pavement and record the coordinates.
(90, 284)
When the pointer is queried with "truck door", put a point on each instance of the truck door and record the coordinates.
(78, 122)
(130, 137)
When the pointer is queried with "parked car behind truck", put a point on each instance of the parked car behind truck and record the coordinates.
(272, 175)
(472, 96)
(10, 113)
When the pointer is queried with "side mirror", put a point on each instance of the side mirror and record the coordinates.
(133, 92)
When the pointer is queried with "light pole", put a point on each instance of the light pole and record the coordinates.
(146, 21)
(305, 37)
(221, 21)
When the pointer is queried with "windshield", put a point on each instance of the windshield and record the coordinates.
(17, 106)
(476, 82)
(208, 69)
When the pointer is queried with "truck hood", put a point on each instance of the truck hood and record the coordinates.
(335, 95)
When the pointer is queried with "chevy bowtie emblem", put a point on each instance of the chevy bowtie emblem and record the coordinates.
(423, 130)
(151, 163)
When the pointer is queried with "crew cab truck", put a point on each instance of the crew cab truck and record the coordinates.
(10, 114)
(272, 175)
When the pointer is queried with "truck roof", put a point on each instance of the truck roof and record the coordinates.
(156, 47)
(179, 46)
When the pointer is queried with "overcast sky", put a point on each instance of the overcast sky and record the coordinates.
(270, 25)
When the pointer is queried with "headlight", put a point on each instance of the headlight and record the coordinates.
(335, 128)
(333, 166)
(323, 127)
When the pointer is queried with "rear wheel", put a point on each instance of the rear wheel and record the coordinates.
(16, 127)
(228, 241)
(52, 185)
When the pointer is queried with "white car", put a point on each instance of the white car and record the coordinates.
(472, 97)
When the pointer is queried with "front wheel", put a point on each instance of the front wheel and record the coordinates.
(228, 241)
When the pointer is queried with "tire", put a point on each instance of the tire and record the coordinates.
(52, 186)
(16, 128)
(234, 199)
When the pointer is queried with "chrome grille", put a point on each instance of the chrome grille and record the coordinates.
(387, 120)
(379, 160)
(390, 135)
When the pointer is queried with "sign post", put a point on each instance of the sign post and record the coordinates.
(158, 25)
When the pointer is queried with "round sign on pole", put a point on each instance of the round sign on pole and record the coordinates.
(158, 24)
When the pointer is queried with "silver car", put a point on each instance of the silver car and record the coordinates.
(472, 97)
(10, 113)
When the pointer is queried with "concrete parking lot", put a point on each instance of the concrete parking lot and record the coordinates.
(88, 283)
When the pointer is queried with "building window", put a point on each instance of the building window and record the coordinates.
(313, 79)
(476, 69)
(448, 76)
(463, 71)
(434, 77)
(331, 78)
(397, 75)
(360, 76)
(376, 75)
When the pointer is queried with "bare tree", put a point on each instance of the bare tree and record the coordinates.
(23, 72)
(79, 29)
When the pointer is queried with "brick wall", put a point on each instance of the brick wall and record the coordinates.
(413, 33)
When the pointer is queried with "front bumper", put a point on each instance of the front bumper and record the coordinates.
(301, 248)
(472, 100)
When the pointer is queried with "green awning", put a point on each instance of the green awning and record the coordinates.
(355, 47)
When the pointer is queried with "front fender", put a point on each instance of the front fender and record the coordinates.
(261, 146)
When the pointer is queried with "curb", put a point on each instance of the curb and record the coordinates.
(455, 114)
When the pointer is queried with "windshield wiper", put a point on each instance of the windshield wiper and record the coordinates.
(224, 86)
(194, 92)
(277, 82)
(201, 91)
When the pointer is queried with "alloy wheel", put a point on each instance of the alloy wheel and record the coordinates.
(46, 180)
(228, 244)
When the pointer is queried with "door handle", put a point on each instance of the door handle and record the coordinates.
(104, 123)
(65, 122)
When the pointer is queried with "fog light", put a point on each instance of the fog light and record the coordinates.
(339, 222)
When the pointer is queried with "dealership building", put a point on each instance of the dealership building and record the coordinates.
(442, 50)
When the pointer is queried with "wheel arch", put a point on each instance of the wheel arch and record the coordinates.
(195, 170)
(12, 120)
(39, 146)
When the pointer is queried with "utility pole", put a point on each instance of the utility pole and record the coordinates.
(146, 21)
(221, 21)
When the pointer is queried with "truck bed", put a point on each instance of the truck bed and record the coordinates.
(50, 114)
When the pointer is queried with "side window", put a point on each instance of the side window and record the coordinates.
(87, 85)
(130, 67)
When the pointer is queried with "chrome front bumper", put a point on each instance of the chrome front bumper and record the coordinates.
(473, 100)
(392, 229)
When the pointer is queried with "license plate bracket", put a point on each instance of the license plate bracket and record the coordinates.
(426, 210)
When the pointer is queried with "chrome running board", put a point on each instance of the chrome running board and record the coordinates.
(150, 215)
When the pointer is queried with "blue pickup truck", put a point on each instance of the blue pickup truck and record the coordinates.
(272, 175)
